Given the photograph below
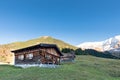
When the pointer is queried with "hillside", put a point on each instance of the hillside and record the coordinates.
(84, 68)
(44, 39)
(6, 55)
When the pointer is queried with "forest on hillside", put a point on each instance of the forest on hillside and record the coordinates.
(92, 52)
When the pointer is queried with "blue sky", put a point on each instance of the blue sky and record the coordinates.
(73, 21)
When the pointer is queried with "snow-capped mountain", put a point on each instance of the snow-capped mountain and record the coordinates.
(91, 45)
(109, 44)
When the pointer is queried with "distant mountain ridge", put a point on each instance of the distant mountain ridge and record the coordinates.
(91, 45)
(107, 45)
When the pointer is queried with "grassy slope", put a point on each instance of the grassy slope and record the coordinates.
(44, 39)
(84, 68)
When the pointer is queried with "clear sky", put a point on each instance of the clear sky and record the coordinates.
(73, 21)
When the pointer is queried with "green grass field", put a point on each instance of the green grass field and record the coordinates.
(84, 68)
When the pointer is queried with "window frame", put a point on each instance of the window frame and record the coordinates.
(29, 56)
(21, 57)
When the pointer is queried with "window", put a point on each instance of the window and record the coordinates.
(29, 56)
(21, 57)
(48, 56)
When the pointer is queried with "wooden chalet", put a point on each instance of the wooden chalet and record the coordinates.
(38, 54)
